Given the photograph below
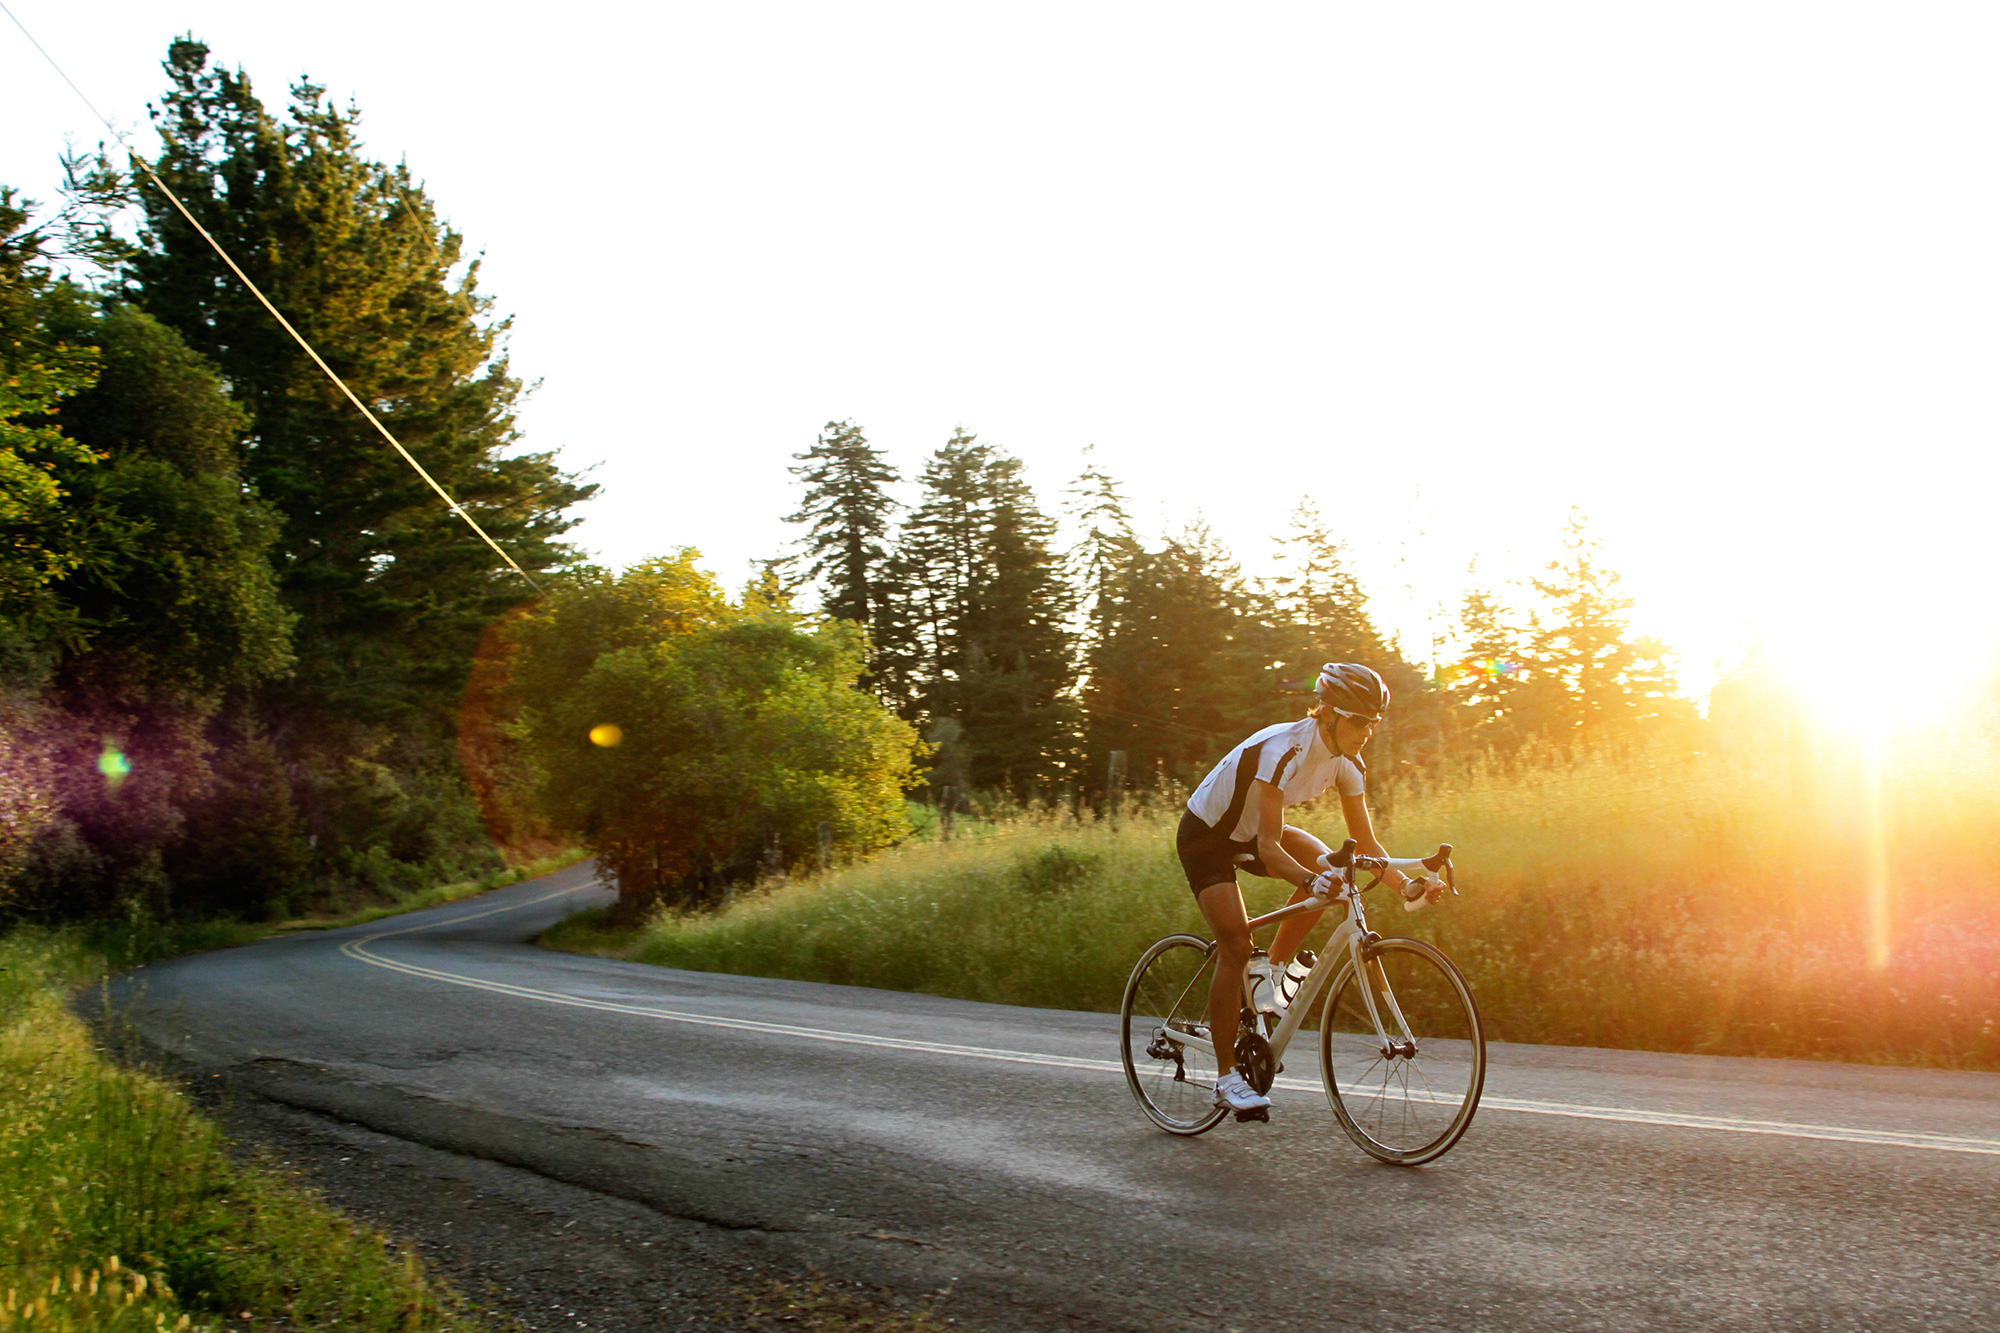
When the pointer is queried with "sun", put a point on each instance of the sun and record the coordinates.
(1905, 672)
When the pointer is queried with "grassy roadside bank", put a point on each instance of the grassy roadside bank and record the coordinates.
(132, 1215)
(1762, 901)
(126, 1212)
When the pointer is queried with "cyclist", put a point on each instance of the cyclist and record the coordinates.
(1236, 818)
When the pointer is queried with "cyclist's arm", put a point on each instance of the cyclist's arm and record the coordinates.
(1362, 829)
(1278, 862)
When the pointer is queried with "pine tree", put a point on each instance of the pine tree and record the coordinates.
(849, 511)
(1610, 683)
(1096, 507)
(847, 552)
(1184, 666)
(1322, 597)
(987, 609)
(1486, 680)
(391, 589)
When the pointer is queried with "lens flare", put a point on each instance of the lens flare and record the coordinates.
(113, 765)
(606, 734)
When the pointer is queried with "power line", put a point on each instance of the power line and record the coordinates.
(255, 291)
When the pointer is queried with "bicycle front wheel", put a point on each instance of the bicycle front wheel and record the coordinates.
(1167, 996)
(1406, 1090)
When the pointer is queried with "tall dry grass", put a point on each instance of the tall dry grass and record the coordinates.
(1786, 897)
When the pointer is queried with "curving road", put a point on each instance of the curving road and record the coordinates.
(911, 1139)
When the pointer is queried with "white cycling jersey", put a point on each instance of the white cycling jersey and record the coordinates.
(1291, 757)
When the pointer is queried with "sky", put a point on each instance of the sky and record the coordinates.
(1720, 276)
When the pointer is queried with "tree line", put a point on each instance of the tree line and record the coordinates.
(248, 664)
(234, 628)
(1027, 661)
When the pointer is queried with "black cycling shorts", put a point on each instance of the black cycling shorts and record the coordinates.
(1209, 856)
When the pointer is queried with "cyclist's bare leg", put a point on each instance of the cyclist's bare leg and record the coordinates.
(1222, 907)
(1304, 848)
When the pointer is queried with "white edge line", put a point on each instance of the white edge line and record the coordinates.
(358, 950)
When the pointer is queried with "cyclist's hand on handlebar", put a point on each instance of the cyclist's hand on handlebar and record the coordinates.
(1421, 892)
(1323, 884)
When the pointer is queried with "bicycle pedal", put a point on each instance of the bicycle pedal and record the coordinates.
(1259, 1113)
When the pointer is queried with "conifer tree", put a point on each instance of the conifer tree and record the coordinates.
(1486, 680)
(846, 550)
(1322, 597)
(1096, 506)
(988, 608)
(1184, 665)
(849, 511)
(1609, 682)
(390, 588)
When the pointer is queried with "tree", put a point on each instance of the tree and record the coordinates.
(163, 603)
(1096, 506)
(41, 538)
(1608, 684)
(390, 589)
(987, 610)
(1487, 679)
(1321, 596)
(703, 742)
(848, 509)
(1187, 662)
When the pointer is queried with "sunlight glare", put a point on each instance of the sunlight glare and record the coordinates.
(1871, 675)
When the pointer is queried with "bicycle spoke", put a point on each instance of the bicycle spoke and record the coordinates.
(1168, 994)
(1407, 1093)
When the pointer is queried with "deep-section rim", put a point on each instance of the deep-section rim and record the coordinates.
(1460, 1122)
(1213, 1116)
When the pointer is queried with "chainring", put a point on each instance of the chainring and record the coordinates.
(1254, 1061)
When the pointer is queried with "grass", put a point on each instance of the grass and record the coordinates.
(1803, 897)
(126, 1212)
(435, 896)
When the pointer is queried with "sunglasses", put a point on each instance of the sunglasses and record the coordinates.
(1364, 719)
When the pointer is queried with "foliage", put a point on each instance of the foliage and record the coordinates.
(351, 251)
(1184, 662)
(41, 537)
(125, 1211)
(221, 581)
(848, 511)
(987, 613)
(129, 642)
(1711, 898)
(690, 743)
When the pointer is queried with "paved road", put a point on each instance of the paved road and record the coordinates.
(997, 1148)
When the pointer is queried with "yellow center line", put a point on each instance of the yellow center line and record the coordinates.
(359, 950)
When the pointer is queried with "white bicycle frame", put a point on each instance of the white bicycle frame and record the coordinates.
(1343, 949)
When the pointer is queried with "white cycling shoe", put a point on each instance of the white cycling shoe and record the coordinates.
(1234, 1091)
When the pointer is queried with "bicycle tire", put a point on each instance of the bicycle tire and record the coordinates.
(1404, 1106)
(1173, 1084)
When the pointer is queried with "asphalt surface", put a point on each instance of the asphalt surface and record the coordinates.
(994, 1153)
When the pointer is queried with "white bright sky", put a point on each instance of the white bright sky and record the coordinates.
(1723, 275)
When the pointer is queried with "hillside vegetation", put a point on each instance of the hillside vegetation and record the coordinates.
(1744, 901)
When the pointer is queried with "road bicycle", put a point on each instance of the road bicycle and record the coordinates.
(1400, 1047)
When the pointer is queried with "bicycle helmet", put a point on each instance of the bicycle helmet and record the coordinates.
(1353, 690)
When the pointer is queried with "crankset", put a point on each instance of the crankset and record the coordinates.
(1255, 1062)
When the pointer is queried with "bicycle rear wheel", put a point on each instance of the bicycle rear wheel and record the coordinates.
(1168, 993)
(1408, 1099)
